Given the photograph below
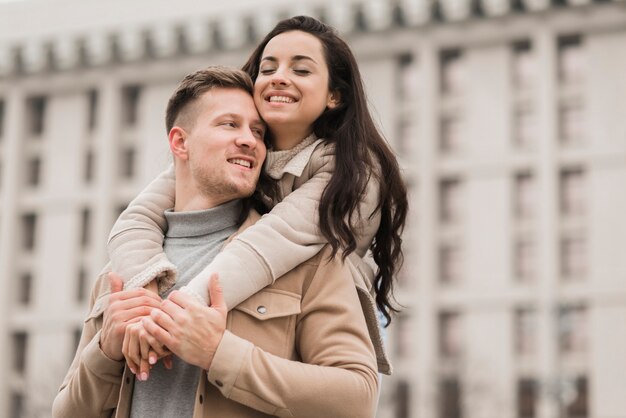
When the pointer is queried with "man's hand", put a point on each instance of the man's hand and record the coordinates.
(124, 307)
(189, 330)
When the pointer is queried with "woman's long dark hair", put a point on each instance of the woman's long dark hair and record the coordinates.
(360, 152)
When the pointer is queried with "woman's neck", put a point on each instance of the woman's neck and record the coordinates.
(287, 138)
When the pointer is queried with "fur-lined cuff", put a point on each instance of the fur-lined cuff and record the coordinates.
(164, 272)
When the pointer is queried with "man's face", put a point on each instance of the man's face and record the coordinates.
(225, 144)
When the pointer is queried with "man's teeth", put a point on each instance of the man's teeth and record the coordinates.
(281, 99)
(241, 162)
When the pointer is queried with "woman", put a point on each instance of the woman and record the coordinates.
(329, 160)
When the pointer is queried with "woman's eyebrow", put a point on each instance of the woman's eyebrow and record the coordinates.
(303, 57)
(294, 58)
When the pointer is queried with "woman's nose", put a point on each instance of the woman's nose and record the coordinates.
(279, 79)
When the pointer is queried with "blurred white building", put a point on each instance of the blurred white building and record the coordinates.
(508, 117)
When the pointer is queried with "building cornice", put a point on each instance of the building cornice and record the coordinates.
(200, 35)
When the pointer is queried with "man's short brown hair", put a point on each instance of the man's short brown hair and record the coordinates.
(199, 82)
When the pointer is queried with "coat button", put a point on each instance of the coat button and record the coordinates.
(127, 380)
(219, 383)
(201, 399)
(261, 309)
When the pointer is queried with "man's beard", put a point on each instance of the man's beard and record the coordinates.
(211, 186)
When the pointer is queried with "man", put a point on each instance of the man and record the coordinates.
(299, 348)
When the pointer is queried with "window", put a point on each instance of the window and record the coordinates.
(20, 346)
(92, 113)
(406, 137)
(452, 72)
(449, 264)
(572, 192)
(76, 336)
(17, 405)
(524, 259)
(33, 172)
(451, 132)
(85, 226)
(407, 77)
(527, 396)
(402, 335)
(24, 288)
(127, 163)
(449, 335)
(450, 201)
(573, 257)
(571, 123)
(119, 209)
(36, 115)
(525, 329)
(579, 406)
(572, 329)
(2, 112)
(525, 127)
(81, 285)
(29, 226)
(524, 65)
(403, 399)
(88, 167)
(450, 398)
(130, 105)
(571, 59)
(524, 197)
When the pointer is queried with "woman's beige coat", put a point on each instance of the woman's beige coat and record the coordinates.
(306, 354)
(282, 239)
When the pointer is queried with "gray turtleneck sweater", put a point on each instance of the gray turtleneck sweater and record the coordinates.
(191, 242)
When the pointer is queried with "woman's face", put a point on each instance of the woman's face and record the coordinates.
(291, 90)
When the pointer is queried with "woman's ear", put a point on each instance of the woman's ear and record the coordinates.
(178, 143)
(334, 99)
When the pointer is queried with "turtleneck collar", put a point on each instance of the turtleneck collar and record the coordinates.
(202, 222)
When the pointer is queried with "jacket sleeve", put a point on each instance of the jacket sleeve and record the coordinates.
(136, 241)
(92, 384)
(283, 238)
(336, 376)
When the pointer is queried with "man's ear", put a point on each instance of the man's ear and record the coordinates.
(178, 143)
(334, 99)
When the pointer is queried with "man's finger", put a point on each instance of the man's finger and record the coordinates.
(181, 299)
(116, 282)
(136, 293)
(161, 335)
(173, 309)
(216, 294)
(163, 320)
(132, 313)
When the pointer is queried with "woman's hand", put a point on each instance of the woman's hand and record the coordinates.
(142, 351)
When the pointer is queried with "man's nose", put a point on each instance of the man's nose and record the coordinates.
(246, 139)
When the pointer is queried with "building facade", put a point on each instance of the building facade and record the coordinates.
(508, 120)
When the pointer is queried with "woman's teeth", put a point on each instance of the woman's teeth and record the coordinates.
(281, 99)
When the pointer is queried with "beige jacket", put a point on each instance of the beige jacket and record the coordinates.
(307, 354)
(282, 239)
